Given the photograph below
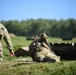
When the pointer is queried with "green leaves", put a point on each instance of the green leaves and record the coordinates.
(54, 28)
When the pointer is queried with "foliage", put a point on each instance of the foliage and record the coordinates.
(54, 28)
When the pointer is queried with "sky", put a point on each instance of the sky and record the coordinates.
(35, 9)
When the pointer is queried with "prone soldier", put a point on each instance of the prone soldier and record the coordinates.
(40, 50)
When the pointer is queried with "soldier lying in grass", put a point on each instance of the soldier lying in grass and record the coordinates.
(40, 50)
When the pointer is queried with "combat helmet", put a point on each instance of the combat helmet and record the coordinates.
(44, 37)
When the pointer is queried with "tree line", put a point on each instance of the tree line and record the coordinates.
(55, 28)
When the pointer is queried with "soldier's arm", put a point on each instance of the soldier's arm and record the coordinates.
(45, 45)
(8, 41)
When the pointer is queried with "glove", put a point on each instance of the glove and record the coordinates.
(12, 53)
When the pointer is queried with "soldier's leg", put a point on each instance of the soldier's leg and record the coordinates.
(1, 54)
(38, 57)
(48, 59)
(53, 57)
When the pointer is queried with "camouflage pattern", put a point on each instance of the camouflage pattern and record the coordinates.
(4, 35)
(1, 54)
(46, 56)
(40, 50)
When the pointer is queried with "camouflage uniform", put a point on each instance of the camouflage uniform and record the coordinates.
(4, 35)
(40, 50)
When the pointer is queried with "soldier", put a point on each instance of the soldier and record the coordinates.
(4, 35)
(40, 50)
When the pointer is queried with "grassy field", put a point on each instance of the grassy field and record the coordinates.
(16, 67)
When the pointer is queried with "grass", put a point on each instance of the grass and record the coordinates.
(19, 68)
(13, 67)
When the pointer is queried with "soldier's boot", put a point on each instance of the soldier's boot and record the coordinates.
(57, 58)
